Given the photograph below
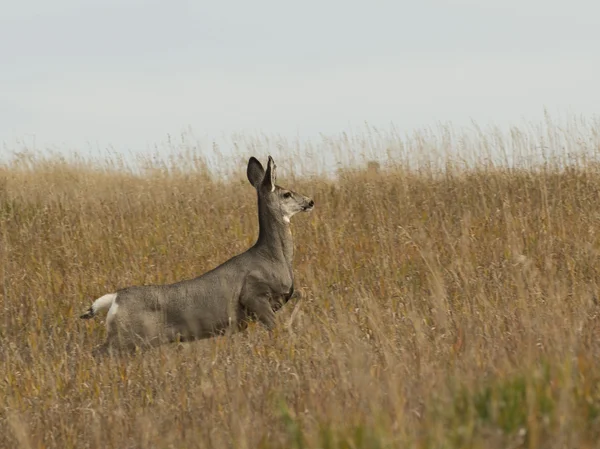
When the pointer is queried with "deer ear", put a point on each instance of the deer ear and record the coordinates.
(270, 177)
(255, 172)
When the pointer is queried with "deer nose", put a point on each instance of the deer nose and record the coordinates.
(311, 203)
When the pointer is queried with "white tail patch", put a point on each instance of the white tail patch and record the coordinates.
(112, 312)
(104, 302)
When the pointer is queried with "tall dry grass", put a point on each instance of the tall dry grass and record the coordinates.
(441, 309)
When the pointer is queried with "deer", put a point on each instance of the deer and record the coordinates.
(252, 285)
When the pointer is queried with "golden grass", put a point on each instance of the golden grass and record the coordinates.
(440, 310)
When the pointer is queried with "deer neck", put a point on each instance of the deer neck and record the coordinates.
(275, 235)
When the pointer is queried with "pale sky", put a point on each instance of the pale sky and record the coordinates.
(126, 73)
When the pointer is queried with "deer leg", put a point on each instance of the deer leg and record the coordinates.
(261, 308)
(256, 298)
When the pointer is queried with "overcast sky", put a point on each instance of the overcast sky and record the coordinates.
(127, 73)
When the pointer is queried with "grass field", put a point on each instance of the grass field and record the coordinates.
(441, 309)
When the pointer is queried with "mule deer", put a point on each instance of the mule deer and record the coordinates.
(253, 284)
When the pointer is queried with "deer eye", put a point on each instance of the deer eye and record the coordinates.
(287, 194)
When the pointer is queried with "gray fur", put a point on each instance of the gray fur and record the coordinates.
(253, 284)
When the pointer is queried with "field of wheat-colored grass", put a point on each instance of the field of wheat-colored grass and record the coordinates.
(443, 306)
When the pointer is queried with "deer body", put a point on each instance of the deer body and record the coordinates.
(253, 284)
